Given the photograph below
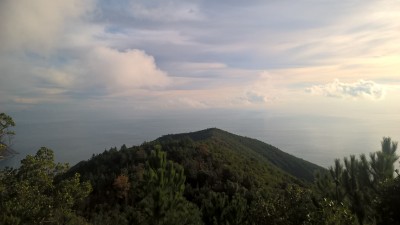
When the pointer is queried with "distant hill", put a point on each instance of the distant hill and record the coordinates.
(295, 166)
(211, 157)
(206, 177)
(217, 166)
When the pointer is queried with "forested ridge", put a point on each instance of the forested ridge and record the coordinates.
(206, 177)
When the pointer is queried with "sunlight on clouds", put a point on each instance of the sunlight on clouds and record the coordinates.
(106, 71)
(123, 69)
(360, 89)
(138, 58)
(59, 53)
(392, 61)
(267, 88)
(181, 54)
(368, 35)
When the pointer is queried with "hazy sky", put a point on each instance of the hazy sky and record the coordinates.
(304, 57)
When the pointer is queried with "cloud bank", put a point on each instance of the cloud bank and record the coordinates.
(51, 51)
(361, 89)
(38, 25)
(197, 54)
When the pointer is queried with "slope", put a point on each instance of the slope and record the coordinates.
(297, 167)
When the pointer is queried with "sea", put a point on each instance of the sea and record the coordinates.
(318, 139)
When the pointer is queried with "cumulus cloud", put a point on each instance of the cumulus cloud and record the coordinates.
(123, 69)
(51, 50)
(108, 71)
(360, 89)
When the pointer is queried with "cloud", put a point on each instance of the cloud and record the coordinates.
(199, 66)
(360, 89)
(26, 100)
(267, 87)
(188, 102)
(37, 25)
(106, 71)
(150, 52)
(52, 50)
(165, 11)
(51, 77)
(132, 68)
(254, 97)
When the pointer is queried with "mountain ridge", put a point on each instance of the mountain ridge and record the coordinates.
(217, 170)
(293, 165)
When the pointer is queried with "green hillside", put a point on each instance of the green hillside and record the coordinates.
(219, 169)
(207, 177)
(297, 167)
(211, 159)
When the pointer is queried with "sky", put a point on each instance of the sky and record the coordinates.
(304, 59)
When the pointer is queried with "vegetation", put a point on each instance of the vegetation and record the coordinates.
(6, 134)
(292, 165)
(208, 177)
(366, 186)
(31, 194)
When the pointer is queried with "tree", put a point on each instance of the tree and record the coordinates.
(6, 134)
(336, 173)
(328, 212)
(30, 194)
(352, 187)
(220, 209)
(359, 183)
(387, 203)
(121, 185)
(331, 184)
(165, 184)
(382, 162)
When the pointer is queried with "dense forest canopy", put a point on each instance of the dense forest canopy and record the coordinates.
(208, 177)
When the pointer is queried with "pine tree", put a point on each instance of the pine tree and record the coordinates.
(352, 187)
(6, 122)
(220, 209)
(359, 182)
(336, 174)
(165, 184)
(382, 163)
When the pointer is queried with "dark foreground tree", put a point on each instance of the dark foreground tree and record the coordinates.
(361, 183)
(30, 195)
(220, 209)
(165, 185)
(388, 203)
(6, 134)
